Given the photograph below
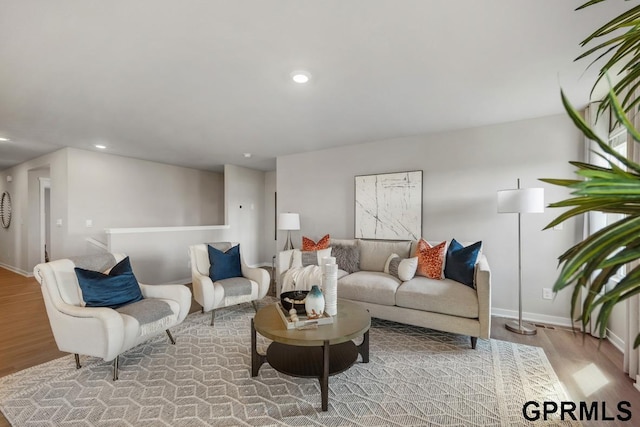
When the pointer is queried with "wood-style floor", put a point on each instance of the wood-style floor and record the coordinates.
(586, 372)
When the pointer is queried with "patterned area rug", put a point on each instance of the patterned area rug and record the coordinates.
(415, 377)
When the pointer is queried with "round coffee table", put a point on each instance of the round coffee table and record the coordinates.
(312, 353)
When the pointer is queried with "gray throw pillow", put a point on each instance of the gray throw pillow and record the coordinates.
(347, 257)
(309, 258)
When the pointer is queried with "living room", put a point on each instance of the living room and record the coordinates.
(150, 195)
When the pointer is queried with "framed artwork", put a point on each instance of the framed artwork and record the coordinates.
(389, 206)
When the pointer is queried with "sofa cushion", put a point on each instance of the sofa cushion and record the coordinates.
(347, 257)
(224, 264)
(374, 253)
(309, 245)
(113, 290)
(439, 296)
(430, 259)
(369, 286)
(402, 268)
(461, 261)
(305, 258)
(343, 242)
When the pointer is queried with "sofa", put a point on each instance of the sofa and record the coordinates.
(441, 304)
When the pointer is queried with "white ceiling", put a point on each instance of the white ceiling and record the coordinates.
(199, 82)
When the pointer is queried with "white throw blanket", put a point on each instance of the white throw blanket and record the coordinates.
(301, 278)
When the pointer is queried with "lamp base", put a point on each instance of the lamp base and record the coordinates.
(521, 328)
(288, 245)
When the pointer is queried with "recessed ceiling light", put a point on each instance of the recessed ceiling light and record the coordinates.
(301, 76)
(100, 146)
(247, 155)
(4, 139)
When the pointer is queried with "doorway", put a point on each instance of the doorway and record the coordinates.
(45, 219)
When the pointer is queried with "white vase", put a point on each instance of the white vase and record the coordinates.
(314, 304)
(330, 288)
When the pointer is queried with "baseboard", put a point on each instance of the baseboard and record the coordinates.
(16, 270)
(533, 317)
(615, 340)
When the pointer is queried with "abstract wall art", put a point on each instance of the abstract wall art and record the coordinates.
(389, 206)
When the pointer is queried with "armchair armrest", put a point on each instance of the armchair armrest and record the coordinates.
(94, 331)
(178, 293)
(258, 275)
(483, 288)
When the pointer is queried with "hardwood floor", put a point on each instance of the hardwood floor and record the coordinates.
(587, 373)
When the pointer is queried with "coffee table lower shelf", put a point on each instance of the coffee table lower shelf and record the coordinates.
(307, 362)
(310, 361)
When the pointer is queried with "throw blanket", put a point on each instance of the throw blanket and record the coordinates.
(97, 262)
(152, 314)
(301, 278)
(235, 286)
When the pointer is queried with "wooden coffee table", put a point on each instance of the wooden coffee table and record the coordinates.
(312, 353)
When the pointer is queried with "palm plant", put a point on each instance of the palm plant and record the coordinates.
(591, 263)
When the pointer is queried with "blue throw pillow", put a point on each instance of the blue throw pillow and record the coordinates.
(112, 290)
(224, 265)
(461, 262)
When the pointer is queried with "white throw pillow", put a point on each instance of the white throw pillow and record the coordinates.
(296, 259)
(404, 269)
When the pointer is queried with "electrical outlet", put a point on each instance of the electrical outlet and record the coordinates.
(547, 293)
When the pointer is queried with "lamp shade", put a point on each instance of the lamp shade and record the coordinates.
(288, 221)
(521, 200)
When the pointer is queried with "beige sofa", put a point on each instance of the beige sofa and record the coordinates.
(445, 305)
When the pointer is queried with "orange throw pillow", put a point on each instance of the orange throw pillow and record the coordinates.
(430, 259)
(310, 245)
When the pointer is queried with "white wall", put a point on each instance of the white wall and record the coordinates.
(161, 256)
(462, 172)
(245, 204)
(17, 247)
(112, 191)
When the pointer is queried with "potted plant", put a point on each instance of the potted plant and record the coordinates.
(592, 262)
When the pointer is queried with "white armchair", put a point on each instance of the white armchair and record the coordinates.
(211, 295)
(101, 331)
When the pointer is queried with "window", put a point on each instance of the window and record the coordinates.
(617, 141)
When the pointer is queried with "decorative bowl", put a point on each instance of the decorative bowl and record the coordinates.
(294, 296)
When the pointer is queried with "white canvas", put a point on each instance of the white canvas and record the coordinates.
(389, 206)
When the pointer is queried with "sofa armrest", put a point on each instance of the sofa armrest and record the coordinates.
(483, 288)
(284, 261)
(178, 293)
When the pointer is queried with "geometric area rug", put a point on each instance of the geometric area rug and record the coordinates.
(415, 377)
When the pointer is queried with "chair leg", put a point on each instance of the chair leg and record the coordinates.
(474, 341)
(115, 368)
(77, 357)
(213, 316)
(202, 310)
(171, 337)
(255, 306)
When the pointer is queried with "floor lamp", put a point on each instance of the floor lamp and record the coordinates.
(288, 221)
(521, 200)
